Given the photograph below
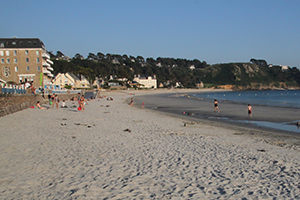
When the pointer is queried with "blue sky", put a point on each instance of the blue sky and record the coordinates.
(215, 31)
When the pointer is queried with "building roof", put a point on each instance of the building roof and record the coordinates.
(73, 76)
(21, 43)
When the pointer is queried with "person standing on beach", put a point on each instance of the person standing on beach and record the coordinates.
(78, 98)
(216, 106)
(249, 109)
(56, 100)
(81, 103)
(143, 105)
(131, 102)
(52, 99)
(49, 98)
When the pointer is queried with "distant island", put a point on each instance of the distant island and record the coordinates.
(256, 74)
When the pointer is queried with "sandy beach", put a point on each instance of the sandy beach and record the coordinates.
(116, 151)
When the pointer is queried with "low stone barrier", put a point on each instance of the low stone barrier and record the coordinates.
(11, 103)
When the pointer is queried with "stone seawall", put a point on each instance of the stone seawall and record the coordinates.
(11, 103)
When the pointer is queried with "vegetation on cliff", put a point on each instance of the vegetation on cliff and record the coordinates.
(170, 71)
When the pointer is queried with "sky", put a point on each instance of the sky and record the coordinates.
(215, 31)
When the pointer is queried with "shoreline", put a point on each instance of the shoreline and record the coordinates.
(278, 121)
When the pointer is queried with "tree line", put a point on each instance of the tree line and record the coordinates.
(170, 71)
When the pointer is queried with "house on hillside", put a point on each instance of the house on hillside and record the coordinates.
(98, 83)
(115, 61)
(192, 67)
(62, 80)
(146, 82)
(284, 67)
(200, 84)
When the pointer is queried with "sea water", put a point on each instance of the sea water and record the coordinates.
(284, 98)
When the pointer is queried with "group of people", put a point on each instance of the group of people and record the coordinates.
(131, 103)
(249, 108)
(54, 101)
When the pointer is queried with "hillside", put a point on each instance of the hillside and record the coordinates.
(186, 73)
(251, 76)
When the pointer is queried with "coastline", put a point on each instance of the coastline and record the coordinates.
(116, 151)
(274, 119)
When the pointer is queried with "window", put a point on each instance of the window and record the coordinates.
(15, 60)
(27, 60)
(2, 45)
(15, 52)
(29, 42)
(26, 52)
(6, 71)
(37, 60)
(27, 68)
(2, 60)
(16, 69)
(37, 53)
(14, 43)
(38, 68)
(8, 60)
(7, 53)
(1, 53)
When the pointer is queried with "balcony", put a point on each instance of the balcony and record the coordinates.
(46, 64)
(45, 71)
(50, 75)
(50, 68)
(45, 55)
(49, 61)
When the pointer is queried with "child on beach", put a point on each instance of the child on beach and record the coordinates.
(216, 106)
(249, 109)
(63, 104)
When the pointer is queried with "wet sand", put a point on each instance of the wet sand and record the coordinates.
(115, 151)
(231, 113)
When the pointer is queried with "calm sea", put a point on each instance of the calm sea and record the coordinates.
(286, 98)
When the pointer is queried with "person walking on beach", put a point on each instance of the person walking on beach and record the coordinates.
(216, 106)
(249, 109)
(131, 102)
(56, 100)
(143, 105)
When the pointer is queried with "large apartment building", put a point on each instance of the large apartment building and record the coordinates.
(25, 60)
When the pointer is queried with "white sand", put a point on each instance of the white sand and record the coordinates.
(92, 157)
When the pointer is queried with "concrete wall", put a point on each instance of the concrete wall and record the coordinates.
(11, 103)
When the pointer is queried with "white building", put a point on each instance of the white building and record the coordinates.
(146, 82)
(62, 80)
